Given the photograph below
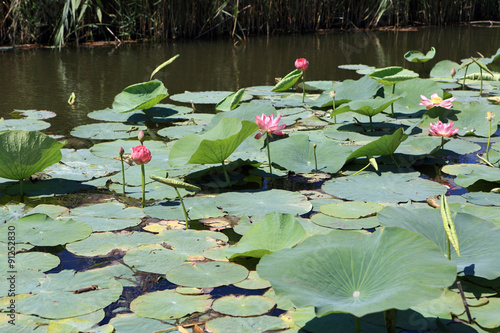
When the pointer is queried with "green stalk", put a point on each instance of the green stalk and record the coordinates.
(481, 87)
(390, 317)
(123, 175)
(315, 159)
(362, 169)
(442, 147)
(463, 82)
(392, 105)
(357, 325)
(21, 191)
(225, 174)
(303, 87)
(143, 172)
(269, 155)
(488, 144)
(183, 208)
(371, 124)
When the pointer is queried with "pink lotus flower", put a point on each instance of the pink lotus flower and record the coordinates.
(269, 125)
(440, 129)
(436, 101)
(140, 155)
(301, 64)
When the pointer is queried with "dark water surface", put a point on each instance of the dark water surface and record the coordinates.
(43, 79)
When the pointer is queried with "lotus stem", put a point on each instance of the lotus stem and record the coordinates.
(394, 160)
(315, 159)
(481, 86)
(225, 174)
(21, 190)
(371, 124)
(123, 175)
(357, 325)
(269, 155)
(390, 317)
(488, 144)
(362, 169)
(448, 248)
(143, 174)
(442, 147)
(465, 74)
(464, 301)
(303, 87)
(392, 105)
(183, 207)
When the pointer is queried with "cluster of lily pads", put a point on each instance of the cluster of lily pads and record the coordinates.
(342, 234)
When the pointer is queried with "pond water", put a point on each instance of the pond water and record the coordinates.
(43, 79)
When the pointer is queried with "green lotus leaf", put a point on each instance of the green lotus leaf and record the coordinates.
(259, 324)
(388, 187)
(26, 282)
(413, 89)
(358, 272)
(253, 282)
(243, 306)
(385, 145)
(296, 154)
(132, 323)
(140, 96)
(359, 68)
(154, 258)
(54, 298)
(177, 132)
(107, 131)
(23, 153)
(487, 213)
(393, 75)
(486, 314)
(263, 202)
(419, 146)
(163, 65)
(41, 230)
(367, 107)
(231, 101)
(34, 114)
(246, 111)
(328, 221)
(191, 243)
(474, 259)
(26, 124)
(38, 261)
(417, 56)
(196, 207)
(205, 97)
(207, 274)
(483, 198)
(107, 216)
(288, 81)
(468, 174)
(351, 209)
(175, 183)
(158, 113)
(213, 146)
(277, 231)
(104, 242)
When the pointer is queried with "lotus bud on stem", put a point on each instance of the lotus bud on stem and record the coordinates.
(315, 159)
(141, 137)
(332, 95)
(301, 64)
(453, 72)
(120, 152)
(489, 117)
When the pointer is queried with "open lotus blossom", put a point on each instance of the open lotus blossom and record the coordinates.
(269, 124)
(436, 101)
(301, 64)
(140, 155)
(440, 129)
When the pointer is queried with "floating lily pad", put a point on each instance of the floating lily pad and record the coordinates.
(207, 274)
(107, 131)
(253, 281)
(259, 324)
(367, 107)
(443, 69)
(26, 124)
(41, 230)
(154, 258)
(483, 198)
(359, 68)
(158, 113)
(35, 114)
(413, 89)
(108, 216)
(468, 174)
(246, 111)
(277, 231)
(487, 213)
(328, 221)
(102, 243)
(132, 323)
(419, 146)
(37, 261)
(417, 56)
(205, 97)
(263, 202)
(177, 132)
(243, 306)
(140, 96)
(471, 231)
(392, 75)
(358, 272)
(351, 209)
(387, 187)
(54, 297)
(296, 154)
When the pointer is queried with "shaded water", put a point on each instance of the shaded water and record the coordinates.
(43, 79)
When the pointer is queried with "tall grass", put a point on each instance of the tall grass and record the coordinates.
(72, 21)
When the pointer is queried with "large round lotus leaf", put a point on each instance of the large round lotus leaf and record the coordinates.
(26, 281)
(296, 154)
(341, 223)
(102, 243)
(177, 132)
(23, 323)
(38, 261)
(263, 202)
(82, 165)
(351, 90)
(416, 146)
(108, 216)
(158, 113)
(443, 69)
(207, 274)
(392, 75)
(168, 305)
(486, 315)
(154, 258)
(41, 230)
(23, 153)
(121, 273)
(259, 324)
(54, 297)
(197, 208)
(246, 111)
(253, 281)
(140, 96)
(205, 97)
(487, 213)
(153, 190)
(243, 306)
(23, 124)
(191, 242)
(386, 187)
(53, 211)
(159, 150)
(418, 56)
(132, 323)
(34, 114)
(12, 212)
(85, 323)
(367, 107)
(413, 89)
(213, 146)
(107, 131)
(468, 174)
(483, 198)
(351, 209)
(359, 68)
(48, 187)
(478, 260)
(277, 231)
(460, 147)
(358, 272)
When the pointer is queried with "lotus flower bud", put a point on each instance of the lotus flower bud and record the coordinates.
(140, 155)
(489, 116)
(453, 72)
(120, 151)
(332, 94)
(141, 136)
(301, 64)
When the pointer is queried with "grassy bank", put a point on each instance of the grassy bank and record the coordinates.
(60, 22)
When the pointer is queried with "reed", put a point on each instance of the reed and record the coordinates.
(72, 21)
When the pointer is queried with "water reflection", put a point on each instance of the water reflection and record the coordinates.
(44, 79)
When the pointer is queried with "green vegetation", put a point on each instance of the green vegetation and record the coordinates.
(59, 22)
